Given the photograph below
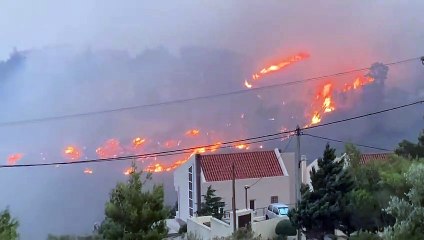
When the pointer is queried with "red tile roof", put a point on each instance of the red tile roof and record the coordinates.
(369, 157)
(217, 167)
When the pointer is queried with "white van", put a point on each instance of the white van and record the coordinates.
(277, 210)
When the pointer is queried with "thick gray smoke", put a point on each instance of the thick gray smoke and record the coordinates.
(61, 81)
(210, 48)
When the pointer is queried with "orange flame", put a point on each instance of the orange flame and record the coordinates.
(129, 170)
(247, 84)
(72, 153)
(12, 159)
(88, 171)
(276, 67)
(324, 102)
(138, 142)
(111, 148)
(192, 132)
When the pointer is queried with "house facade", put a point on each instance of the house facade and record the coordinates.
(266, 173)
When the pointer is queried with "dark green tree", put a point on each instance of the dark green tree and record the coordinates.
(324, 207)
(284, 229)
(8, 226)
(212, 204)
(133, 212)
(411, 150)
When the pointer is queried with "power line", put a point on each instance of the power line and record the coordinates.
(34, 120)
(154, 154)
(251, 140)
(340, 141)
(364, 115)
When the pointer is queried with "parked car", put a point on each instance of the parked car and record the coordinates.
(277, 210)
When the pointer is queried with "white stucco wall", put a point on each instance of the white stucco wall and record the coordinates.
(266, 228)
(261, 192)
(196, 227)
(181, 187)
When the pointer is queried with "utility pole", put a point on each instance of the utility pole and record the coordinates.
(297, 174)
(234, 198)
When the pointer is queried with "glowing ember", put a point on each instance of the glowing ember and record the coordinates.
(129, 170)
(215, 147)
(192, 132)
(13, 158)
(111, 148)
(247, 84)
(358, 82)
(242, 146)
(72, 153)
(88, 171)
(138, 142)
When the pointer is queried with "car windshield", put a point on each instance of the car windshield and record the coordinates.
(283, 210)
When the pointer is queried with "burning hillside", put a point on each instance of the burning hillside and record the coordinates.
(215, 129)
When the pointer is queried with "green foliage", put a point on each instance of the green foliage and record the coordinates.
(365, 236)
(8, 226)
(412, 150)
(285, 228)
(353, 154)
(72, 237)
(183, 229)
(212, 205)
(325, 207)
(133, 213)
(409, 212)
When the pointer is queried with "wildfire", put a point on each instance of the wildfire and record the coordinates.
(192, 132)
(276, 67)
(12, 159)
(242, 146)
(138, 142)
(88, 171)
(129, 170)
(72, 153)
(324, 102)
(247, 84)
(111, 148)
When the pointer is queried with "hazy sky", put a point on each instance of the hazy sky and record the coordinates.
(238, 37)
(243, 25)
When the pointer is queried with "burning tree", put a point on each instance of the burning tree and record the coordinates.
(132, 213)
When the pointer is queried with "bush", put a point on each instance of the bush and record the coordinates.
(285, 228)
(183, 229)
(365, 236)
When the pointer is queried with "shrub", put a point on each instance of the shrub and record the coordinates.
(285, 228)
(365, 236)
(183, 229)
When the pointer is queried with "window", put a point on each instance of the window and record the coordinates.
(252, 204)
(190, 191)
(275, 211)
(269, 208)
(190, 176)
(190, 204)
(190, 186)
(190, 170)
(190, 194)
(274, 199)
(191, 212)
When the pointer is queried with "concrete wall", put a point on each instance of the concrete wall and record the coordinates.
(196, 226)
(266, 228)
(220, 228)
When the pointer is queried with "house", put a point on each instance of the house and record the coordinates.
(364, 158)
(265, 172)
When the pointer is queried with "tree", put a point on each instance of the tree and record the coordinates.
(412, 150)
(285, 228)
(8, 226)
(409, 212)
(134, 213)
(71, 237)
(324, 207)
(212, 204)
